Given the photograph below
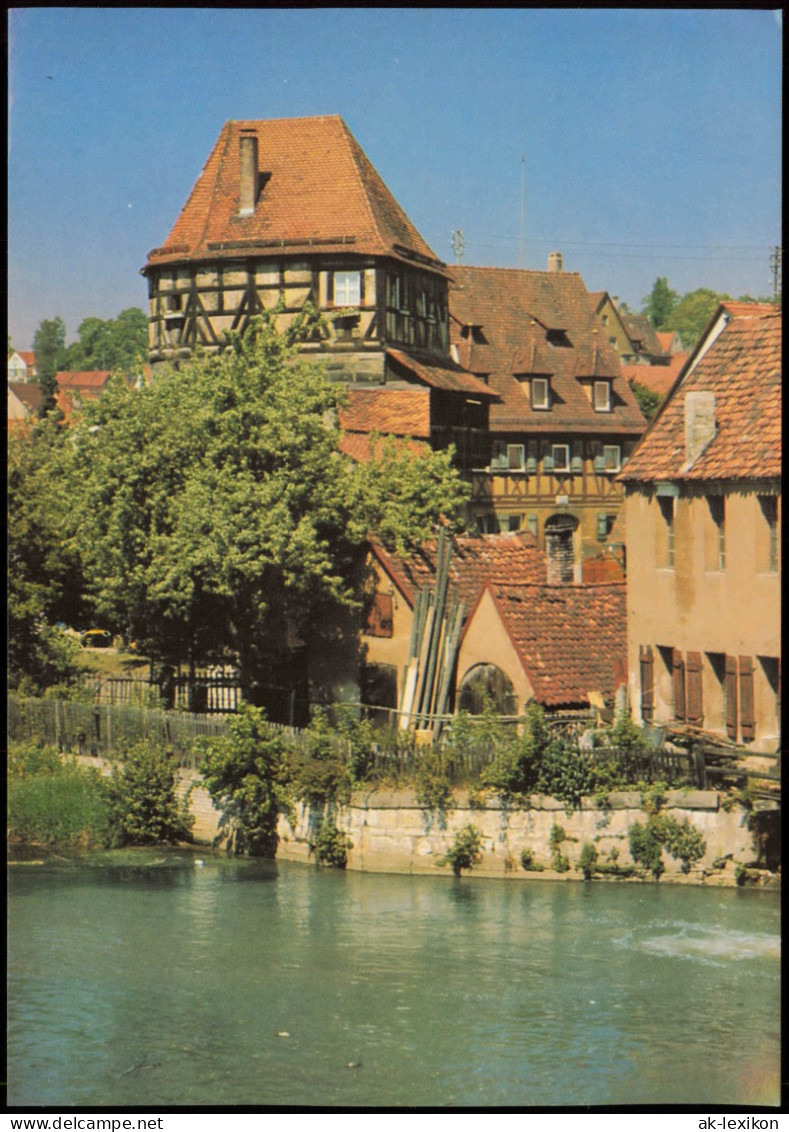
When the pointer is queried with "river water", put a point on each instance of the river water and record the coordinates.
(151, 980)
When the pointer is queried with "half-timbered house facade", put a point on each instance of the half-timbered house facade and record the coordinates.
(289, 215)
(565, 421)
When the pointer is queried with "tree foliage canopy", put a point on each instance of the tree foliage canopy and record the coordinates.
(215, 506)
(116, 343)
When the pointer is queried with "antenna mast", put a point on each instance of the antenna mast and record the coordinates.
(523, 209)
(457, 244)
(775, 264)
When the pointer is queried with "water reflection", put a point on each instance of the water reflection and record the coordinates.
(251, 983)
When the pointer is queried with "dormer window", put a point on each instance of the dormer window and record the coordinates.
(347, 288)
(540, 393)
(601, 396)
(558, 338)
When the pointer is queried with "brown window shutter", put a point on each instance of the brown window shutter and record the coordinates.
(647, 683)
(679, 686)
(731, 697)
(380, 617)
(747, 707)
(693, 689)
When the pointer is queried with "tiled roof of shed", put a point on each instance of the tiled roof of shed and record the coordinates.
(319, 192)
(400, 412)
(742, 367)
(446, 375)
(83, 379)
(359, 446)
(503, 558)
(571, 639)
(515, 310)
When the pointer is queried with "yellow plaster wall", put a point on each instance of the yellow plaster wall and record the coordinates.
(486, 641)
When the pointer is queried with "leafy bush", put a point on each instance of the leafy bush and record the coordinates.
(646, 848)
(331, 845)
(528, 862)
(681, 839)
(559, 861)
(317, 769)
(54, 802)
(587, 859)
(244, 773)
(684, 842)
(144, 806)
(514, 767)
(432, 786)
(465, 851)
(566, 772)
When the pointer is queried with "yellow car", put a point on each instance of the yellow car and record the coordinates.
(96, 639)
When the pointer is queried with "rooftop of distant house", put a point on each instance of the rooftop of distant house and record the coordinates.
(741, 367)
(509, 326)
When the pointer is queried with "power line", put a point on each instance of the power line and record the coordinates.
(618, 244)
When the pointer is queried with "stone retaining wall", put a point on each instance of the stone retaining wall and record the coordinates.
(391, 832)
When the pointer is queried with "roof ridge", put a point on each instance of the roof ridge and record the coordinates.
(514, 270)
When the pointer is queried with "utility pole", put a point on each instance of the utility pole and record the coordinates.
(523, 209)
(775, 264)
(457, 244)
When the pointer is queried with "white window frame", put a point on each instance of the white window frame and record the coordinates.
(347, 288)
(599, 387)
(617, 458)
(542, 403)
(565, 465)
(516, 457)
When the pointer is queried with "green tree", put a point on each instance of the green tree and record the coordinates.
(115, 344)
(245, 774)
(144, 807)
(660, 303)
(692, 313)
(648, 400)
(44, 574)
(216, 505)
(49, 346)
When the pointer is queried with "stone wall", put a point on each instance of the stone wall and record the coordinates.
(392, 833)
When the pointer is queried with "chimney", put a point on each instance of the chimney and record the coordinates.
(248, 181)
(699, 424)
(555, 262)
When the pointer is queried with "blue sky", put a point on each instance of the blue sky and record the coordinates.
(651, 136)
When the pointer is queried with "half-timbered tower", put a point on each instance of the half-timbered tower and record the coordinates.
(291, 212)
(565, 421)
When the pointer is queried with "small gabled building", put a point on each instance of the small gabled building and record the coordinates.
(22, 365)
(703, 507)
(565, 422)
(555, 645)
(394, 584)
(290, 214)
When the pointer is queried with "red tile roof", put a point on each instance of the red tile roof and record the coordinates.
(742, 367)
(401, 412)
(657, 378)
(359, 446)
(83, 379)
(28, 357)
(514, 311)
(318, 192)
(28, 392)
(571, 639)
(447, 375)
(503, 558)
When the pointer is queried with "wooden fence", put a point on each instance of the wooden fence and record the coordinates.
(206, 695)
(105, 730)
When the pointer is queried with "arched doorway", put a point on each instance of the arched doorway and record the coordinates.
(559, 531)
(487, 687)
